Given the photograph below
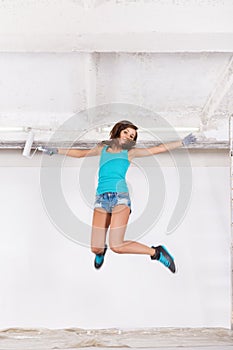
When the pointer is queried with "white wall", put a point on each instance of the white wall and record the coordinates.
(49, 281)
(46, 75)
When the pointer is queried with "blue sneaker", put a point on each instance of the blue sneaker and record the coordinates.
(99, 258)
(162, 255)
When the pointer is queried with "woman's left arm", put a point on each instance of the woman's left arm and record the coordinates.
(164, 147)
(145, 152)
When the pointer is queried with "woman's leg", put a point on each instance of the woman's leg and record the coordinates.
(100, 224)
(119, 220)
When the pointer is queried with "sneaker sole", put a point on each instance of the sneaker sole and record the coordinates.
(167, 252)
(176, 269)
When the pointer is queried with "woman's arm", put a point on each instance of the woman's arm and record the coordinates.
(77, 153)
(80, 153)
(145, 152)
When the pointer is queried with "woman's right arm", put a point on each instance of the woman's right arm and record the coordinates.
(80, 153)
(77, 153)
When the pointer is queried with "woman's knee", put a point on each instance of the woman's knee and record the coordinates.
(97, 250)
(116, 249)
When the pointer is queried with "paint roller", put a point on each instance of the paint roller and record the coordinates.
(28, 145)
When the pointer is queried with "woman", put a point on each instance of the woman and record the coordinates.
(112, 204)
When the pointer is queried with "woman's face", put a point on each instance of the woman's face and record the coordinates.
(127, 134)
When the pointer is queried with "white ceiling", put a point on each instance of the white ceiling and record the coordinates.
(113, 25)
(171, 57)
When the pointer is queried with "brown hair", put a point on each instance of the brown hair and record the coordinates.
(122, 125)
(115, 134)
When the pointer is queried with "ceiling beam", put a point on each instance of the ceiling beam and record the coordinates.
(90, 84)
(152, 42)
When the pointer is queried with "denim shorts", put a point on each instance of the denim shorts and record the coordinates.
(109, 200)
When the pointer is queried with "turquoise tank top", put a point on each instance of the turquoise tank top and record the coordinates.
(112, 171)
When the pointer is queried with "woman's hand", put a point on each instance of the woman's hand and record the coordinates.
(48, 150)
(187, 140)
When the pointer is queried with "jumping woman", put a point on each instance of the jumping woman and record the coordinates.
(112, 205)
